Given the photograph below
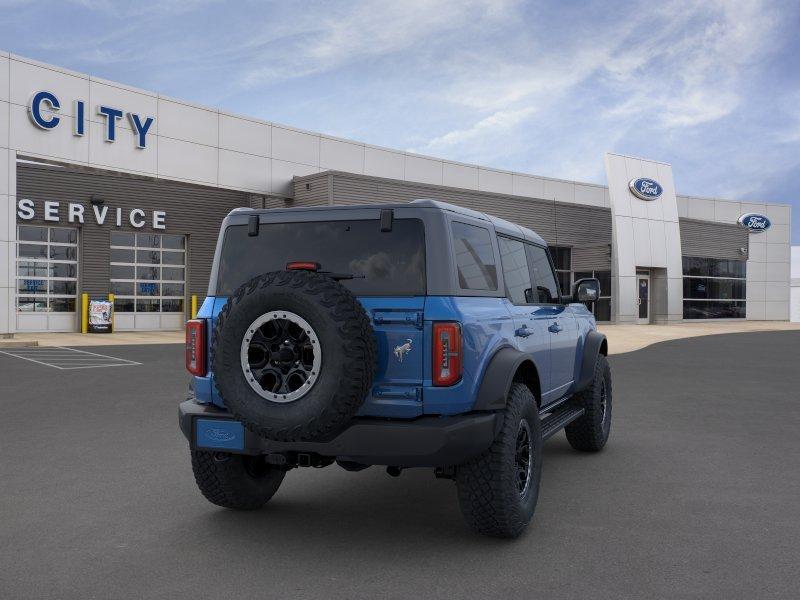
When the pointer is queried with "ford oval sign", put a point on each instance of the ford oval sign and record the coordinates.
(646, 189)
(754, 222)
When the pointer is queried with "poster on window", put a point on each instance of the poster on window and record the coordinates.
(100, 316)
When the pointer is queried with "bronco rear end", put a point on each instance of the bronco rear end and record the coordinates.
(406, 370)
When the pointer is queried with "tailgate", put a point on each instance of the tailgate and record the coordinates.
(397, 385)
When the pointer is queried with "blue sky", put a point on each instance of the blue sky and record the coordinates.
(712, 87)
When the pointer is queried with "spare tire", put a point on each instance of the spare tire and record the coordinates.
(293, 355)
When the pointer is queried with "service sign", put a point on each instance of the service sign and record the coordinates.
(646, 189)
(754, 222)
(101, 214)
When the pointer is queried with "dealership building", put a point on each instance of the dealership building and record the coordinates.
(107, 189)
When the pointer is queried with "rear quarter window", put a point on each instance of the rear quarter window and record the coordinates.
(474, 257)
(392, 263)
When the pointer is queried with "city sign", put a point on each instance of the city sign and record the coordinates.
(44, 108)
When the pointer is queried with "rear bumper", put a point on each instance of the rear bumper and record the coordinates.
(423, 442)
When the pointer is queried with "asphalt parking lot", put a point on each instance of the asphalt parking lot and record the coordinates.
(697, 495)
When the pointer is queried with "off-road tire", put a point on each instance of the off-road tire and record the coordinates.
(589, 433)
(234, 480)
(348, 355)
(488, 494)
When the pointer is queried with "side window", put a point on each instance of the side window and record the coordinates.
(515, 271)
(544, 281)
(474, 257)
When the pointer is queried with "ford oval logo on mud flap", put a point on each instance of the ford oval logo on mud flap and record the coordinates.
(646, 189)
(219, 435)
(754, 222)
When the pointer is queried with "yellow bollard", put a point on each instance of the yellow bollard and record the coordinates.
(84, 313)
(194, 306)
(113, 312)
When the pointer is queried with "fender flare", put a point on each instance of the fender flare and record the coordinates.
(594, 345)
(497, 379)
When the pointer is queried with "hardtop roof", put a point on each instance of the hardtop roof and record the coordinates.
(500, 225)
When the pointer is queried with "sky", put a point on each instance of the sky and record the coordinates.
(712, 87)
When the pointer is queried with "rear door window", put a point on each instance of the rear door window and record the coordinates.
(392, 263)
(474, 257)
(544, 280)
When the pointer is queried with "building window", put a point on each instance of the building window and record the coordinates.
(602, 308)
(562, 259)
(714, 288)
(47, 269)
(148, 272)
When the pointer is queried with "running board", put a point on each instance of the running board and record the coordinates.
(559, 419)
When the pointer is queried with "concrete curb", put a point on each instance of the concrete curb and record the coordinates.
(18, 344)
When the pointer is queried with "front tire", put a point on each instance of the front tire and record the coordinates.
(590, 432)
(235, 481)
(498, 490)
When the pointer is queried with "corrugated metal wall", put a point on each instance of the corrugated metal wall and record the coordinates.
(558, 223)
(585, 258)
(713, 240)
(315, 191)
(191, 210)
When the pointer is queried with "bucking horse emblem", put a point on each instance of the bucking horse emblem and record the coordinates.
(403, 349)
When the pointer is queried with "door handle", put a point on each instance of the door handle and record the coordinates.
(523, 332)
(554, 328)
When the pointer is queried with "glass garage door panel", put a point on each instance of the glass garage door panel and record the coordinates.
(46, 278)
(148, 280)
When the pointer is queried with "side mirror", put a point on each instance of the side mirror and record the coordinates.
(586, 290)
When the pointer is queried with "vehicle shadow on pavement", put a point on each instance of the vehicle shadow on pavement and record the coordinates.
(356, 507)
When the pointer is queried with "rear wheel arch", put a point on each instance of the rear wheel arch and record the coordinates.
(528, 375)
(508, 365)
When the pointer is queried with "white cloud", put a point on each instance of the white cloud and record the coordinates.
(344, 34)
(667, 68)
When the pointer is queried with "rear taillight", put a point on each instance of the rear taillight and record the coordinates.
(447, 362)
(196, 347)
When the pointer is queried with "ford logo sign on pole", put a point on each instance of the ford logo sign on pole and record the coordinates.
(646, 189)
(754, 222)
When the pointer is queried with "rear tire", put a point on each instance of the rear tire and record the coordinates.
(493, 497)
(234, 480)
(590, 432)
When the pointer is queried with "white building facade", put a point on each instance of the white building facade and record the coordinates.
(672, 254)
(794, 311)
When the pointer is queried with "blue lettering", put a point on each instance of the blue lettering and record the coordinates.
(80, 118)
(36, 109)
(111, 115)
(140, 129)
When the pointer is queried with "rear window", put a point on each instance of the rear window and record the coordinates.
(392, 262)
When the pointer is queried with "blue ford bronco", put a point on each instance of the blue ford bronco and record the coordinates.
(403, 335)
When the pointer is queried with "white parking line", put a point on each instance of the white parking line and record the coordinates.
(66, 359)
